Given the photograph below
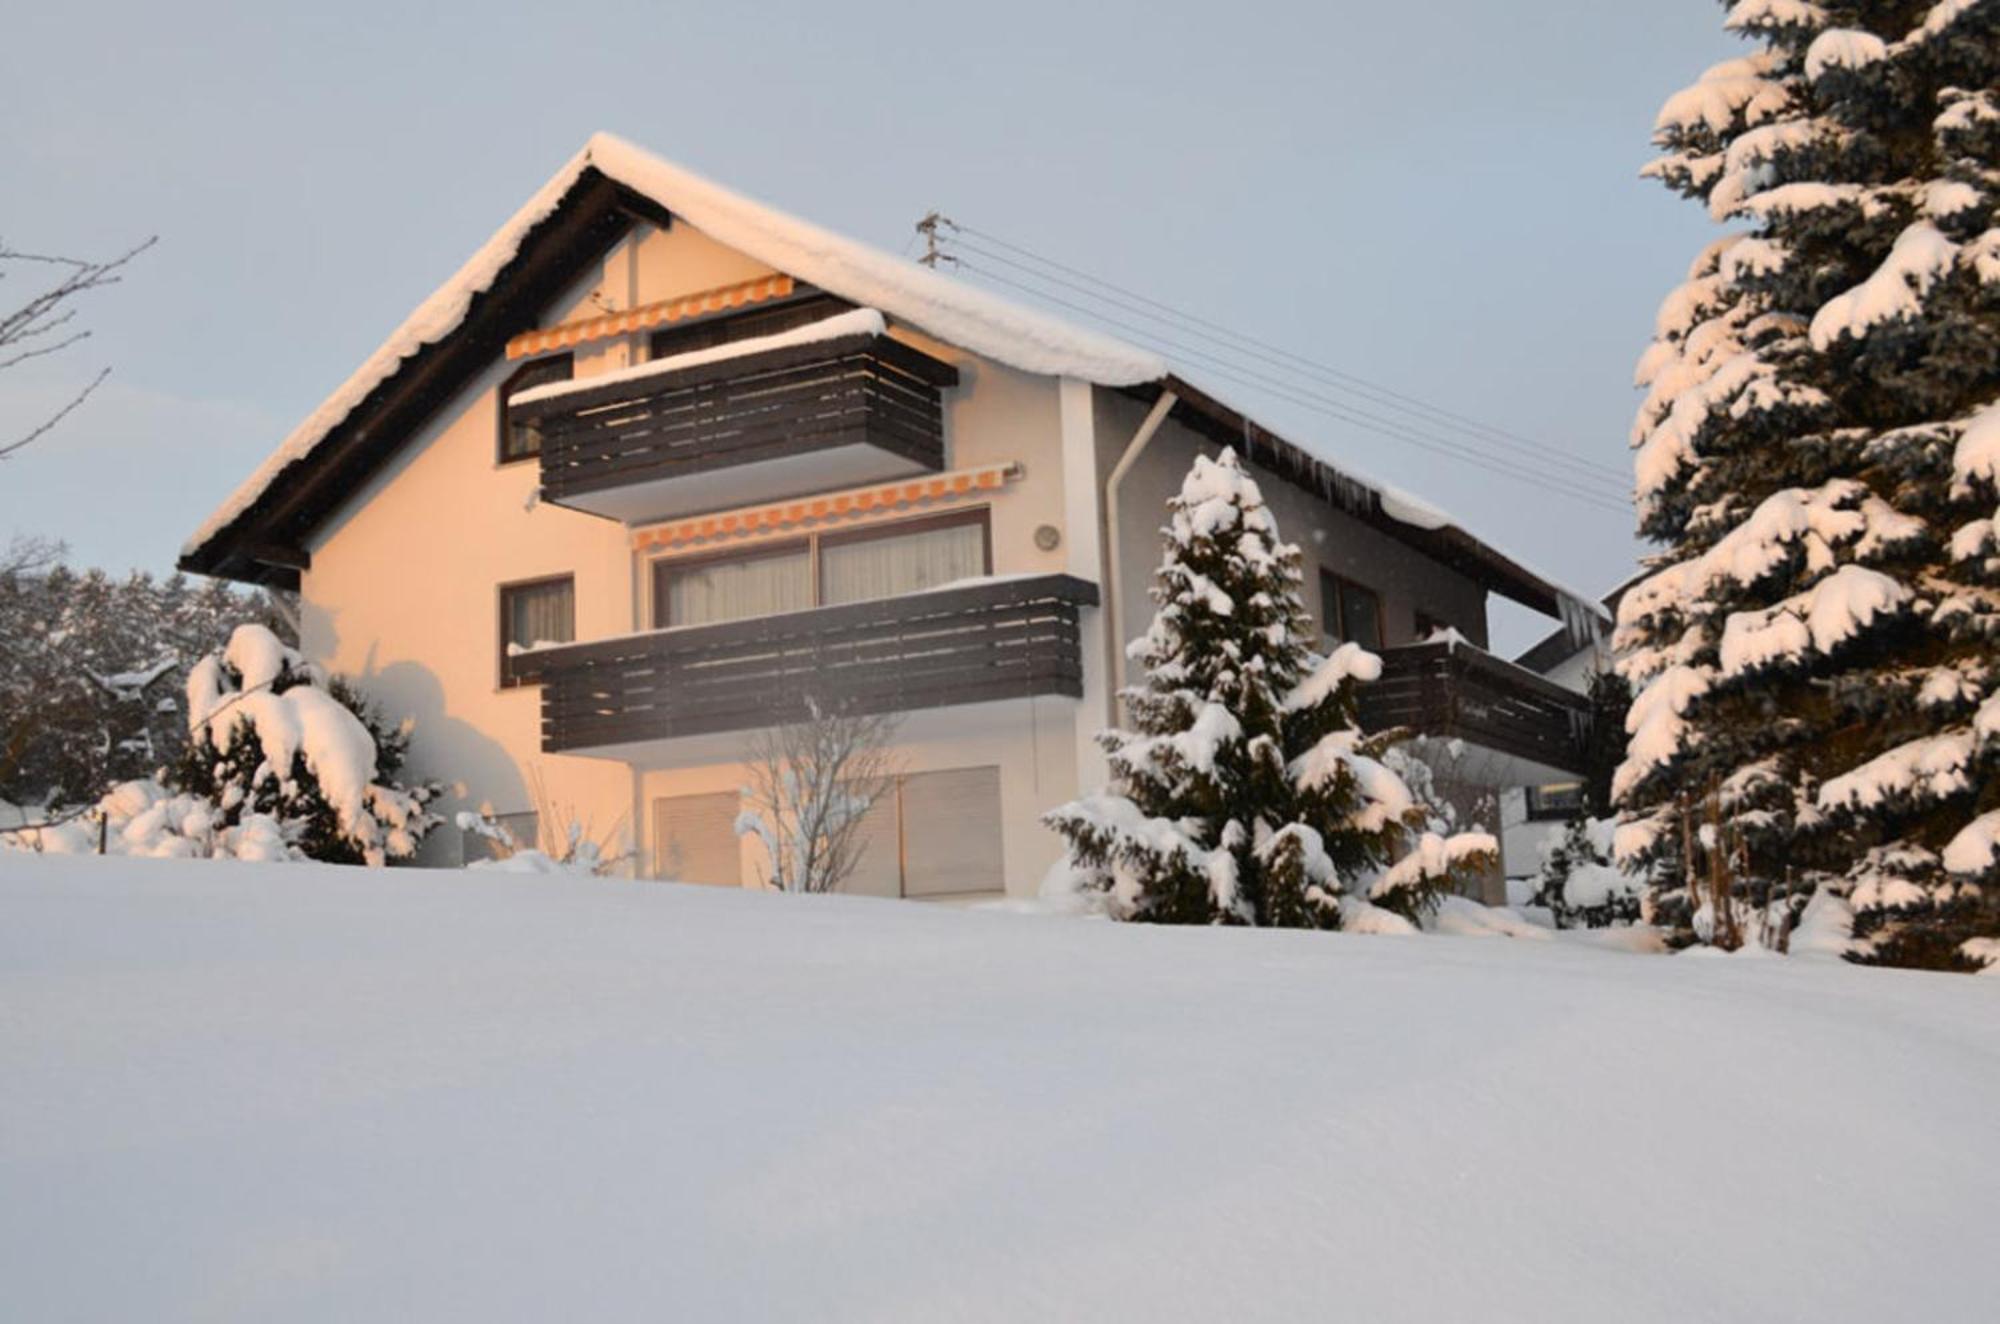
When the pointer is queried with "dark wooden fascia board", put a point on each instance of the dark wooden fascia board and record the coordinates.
(586, 224)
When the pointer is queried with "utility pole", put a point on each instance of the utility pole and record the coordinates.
(928, 228)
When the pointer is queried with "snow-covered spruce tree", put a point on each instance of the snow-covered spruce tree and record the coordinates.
(268, 735)
(1245, 794)
(1818, 652)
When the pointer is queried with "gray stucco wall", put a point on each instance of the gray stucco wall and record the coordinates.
(1407, 580)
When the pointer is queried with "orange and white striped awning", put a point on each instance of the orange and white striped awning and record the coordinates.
(781, 517)
(647, 316)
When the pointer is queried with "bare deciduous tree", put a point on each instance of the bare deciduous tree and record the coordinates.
(45, 324)
(31, 556)
(811, 786)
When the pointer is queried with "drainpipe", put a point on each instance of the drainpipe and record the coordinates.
(1114, 579)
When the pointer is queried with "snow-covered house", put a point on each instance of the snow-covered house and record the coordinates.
(661, 462)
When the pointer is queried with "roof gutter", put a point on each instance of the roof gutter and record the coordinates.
(1114, 579)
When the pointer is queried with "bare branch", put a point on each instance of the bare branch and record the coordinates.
(811, 787)
(41, 317)
(40, 428)
(29, 556)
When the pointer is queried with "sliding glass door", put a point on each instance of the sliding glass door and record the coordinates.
(885, 561)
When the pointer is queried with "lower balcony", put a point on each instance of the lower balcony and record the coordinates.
(1518, 728)
(979, 641)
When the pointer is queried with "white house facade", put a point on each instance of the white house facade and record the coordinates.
(660, 465)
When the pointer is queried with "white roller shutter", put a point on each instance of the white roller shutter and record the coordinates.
(951, 832)
(878, 866)
(694, 839)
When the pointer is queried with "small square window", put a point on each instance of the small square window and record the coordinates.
(518, 440)
(534, 614)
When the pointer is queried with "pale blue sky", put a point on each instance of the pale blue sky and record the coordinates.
(1442, 197)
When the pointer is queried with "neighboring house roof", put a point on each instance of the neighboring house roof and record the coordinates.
(1558, 646)
(259, 532)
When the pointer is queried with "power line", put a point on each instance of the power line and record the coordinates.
(1334, 377)
(1564, 484)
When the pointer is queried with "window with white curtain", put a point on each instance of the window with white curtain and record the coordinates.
(886, 563)
(762, 584)
(542, 612)
(879, 562)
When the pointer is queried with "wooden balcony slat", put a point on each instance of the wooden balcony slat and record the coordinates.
(858, 390)
(1465, 693)
(985, 640)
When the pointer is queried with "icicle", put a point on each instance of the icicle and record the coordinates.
(1581, 621)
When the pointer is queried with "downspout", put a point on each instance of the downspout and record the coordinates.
(1114, 578)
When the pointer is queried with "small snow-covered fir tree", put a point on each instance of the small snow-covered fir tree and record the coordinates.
(1818, 452)
(1580, 885)
(1244, 793)
(271, 737)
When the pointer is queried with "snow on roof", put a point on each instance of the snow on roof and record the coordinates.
(954, 312)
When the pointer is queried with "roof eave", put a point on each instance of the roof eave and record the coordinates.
(266, 542)
(1450, 544)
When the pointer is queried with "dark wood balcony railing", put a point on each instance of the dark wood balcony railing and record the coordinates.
(1460, 692)
(992, 639)
(866, 392)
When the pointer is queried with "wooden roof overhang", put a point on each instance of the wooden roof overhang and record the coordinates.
(1485, 564)
(266, 543)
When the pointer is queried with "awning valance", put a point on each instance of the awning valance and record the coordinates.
(647, 316)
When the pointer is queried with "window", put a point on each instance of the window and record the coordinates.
(542, 611)
(728, 588)
(1353, 614)
(709, 332)
(901, 558)
(882, 562)
(1557, 800)
(519, 441)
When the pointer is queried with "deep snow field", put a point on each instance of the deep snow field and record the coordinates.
(237, 1091)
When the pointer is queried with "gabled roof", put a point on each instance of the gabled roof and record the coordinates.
(259, 533)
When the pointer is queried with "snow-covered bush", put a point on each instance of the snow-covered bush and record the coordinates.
(1244, 792)
(1818, 456)
(565, 844)
(1580, 885)
(144, 818)
(269, 736)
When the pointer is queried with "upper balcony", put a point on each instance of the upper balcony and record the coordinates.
(742, 429)
(969, 643)
(1518, 728)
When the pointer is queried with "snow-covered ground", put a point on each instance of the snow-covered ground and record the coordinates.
(234, 1091)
